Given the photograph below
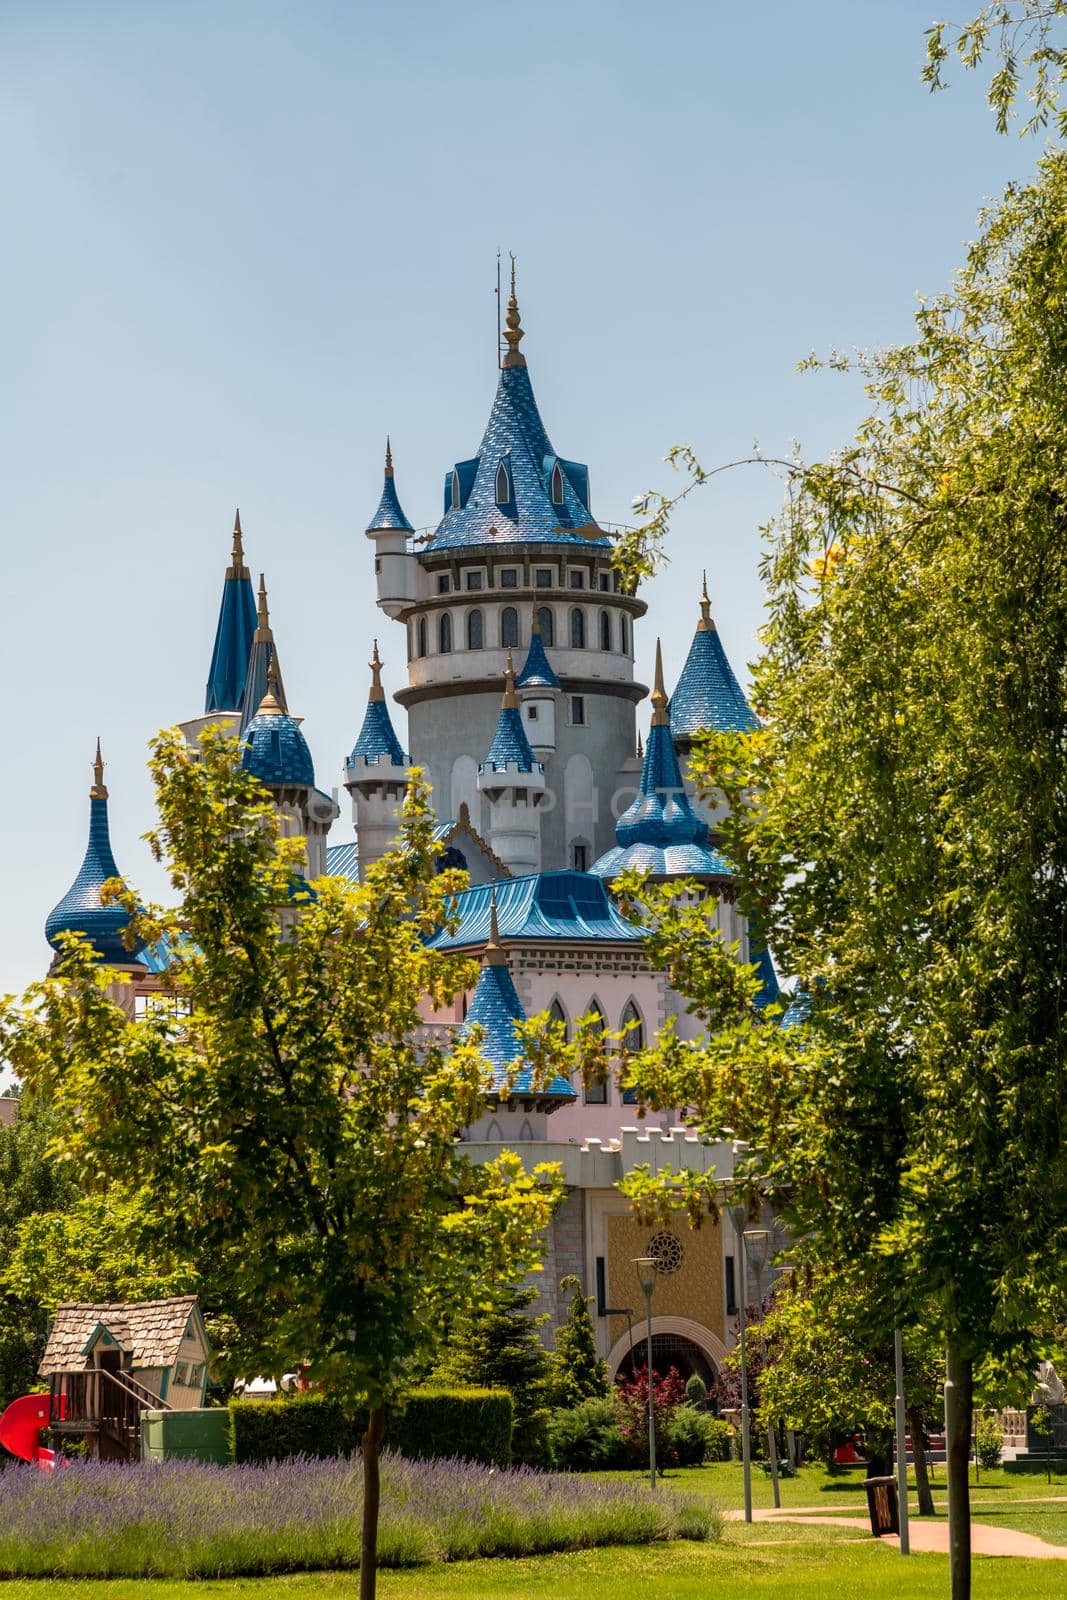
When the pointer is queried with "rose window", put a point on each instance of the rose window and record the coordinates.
(665, 1251)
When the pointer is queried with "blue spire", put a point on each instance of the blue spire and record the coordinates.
(275, 751)
(496, 1008)
(511, 747)
(390, 513)
(81, 909)
(516, 488)
(537, 671)
(262, 664)
(660, 832)
(377, 740)
(707, 695)
(233, 636)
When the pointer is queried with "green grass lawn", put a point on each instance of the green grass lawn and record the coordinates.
(759, 1564)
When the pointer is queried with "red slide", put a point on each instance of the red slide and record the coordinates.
(21, 1427)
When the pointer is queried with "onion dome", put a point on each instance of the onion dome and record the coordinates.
(390, 513)
(537, 672)
(81, 909)
(275, 751)
(516, 489)
(377, 742)
(495, 1009)
(262, 663)
(510, 747)
(660, 833)
(233, 636)
(707, 695)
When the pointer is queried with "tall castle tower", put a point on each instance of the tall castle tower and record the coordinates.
(517, 562)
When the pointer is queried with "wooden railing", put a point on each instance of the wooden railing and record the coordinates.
(110, 1403)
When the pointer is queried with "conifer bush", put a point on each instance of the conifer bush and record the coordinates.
(577, 1372)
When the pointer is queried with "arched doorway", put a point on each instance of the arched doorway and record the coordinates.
(669, 1350)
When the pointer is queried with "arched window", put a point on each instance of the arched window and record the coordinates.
(423, 644)
(503, 485)
(633, 1038)
(546, 623)
(509, 628)
(577, 629)
(557, 486)
(556, 1013)
(605, 631)
(622, 635)
(596, 1090)
(475, 630)
(444, 633)
(456, 500)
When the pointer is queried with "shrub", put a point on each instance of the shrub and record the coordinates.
(585, 1437)
(720, 1438)
(576, 1372)
(988, 1442)
(632, 1399)
(499, 1346)
(688, 1433)
(474, 1424)
(696, 1390)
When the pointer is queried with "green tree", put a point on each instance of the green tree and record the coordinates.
(497, 1345)
(577, 1371)
(285, 1111)
(899, 826)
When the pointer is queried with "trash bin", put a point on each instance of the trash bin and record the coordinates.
(882, 1505)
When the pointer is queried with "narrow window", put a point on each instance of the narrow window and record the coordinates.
(633, 1038)
(444, 634)
(731, 1287)
(557, 1014)
(605, 582)
(546, 623)
(475, 630)
(605, 631)
(456, 502)
(509, 578)
(423, 643)
(474, 580)
(622, 636)
(531, 713)
(596, 1091)
(443, 583)
(509, 628)
(577, 629)
(580, 857)
(543, 578)
(503, 485)
(578, 710)
(557, 486)
(576, 578)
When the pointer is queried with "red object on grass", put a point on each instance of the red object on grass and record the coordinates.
(21, 1427)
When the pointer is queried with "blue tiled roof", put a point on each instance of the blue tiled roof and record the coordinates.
(233, 643)
(81, 909)
(511, 746)
(495, 1008)
(537, 670)
(769, 991)
(660, 832)
(390, 513)
(276, 752)
(342, 861)
(571, 906)
(798, 1009)
(516, 436)
(377, 738)
(707, 695)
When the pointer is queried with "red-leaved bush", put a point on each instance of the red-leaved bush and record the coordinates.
(631, 1395)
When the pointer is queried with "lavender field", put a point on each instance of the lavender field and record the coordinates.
(188, 1520)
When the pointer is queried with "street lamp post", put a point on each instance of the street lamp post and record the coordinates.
(902, 1459)
(757, 1246)
(739, 1216)
(645, 1268)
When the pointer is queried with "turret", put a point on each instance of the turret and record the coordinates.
(513, 781)
(538, 690)
(376, 776)
(394, 567)
(276, 752)
(82, 909)
(707, 695)
(262, 663)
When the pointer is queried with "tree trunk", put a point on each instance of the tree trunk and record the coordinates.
(958, 1414)
(372, 1495)
(918, 1454)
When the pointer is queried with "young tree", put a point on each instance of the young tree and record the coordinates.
(577, 1372)
(285, 1113)
(498, 1346)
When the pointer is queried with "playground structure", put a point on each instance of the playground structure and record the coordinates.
(21, 1427)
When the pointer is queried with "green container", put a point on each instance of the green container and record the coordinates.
(201, 1435)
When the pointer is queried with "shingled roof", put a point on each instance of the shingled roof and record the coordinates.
(152, 1332)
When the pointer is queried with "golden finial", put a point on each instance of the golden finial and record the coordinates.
(388, 458)
(263, 629)
(640, 746)
(270, 705)
(511, 699)
(237, 556)
(376, 690)
(513, 331)
(494, 955)
(705, 625)
(99, 789)
(660, 719)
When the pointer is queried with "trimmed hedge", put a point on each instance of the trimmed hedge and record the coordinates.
(474, 1424)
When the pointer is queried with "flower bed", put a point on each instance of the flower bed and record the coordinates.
(189, 1520)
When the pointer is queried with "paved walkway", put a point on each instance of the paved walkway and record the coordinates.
(985, 1539)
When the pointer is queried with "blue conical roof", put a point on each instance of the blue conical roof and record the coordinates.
(274, 749)
(81, 909)
(377, 740)
(537, 671)
(547, 498)
(707, 694)
(233, 636)
(496, 1008)
(390, 513)
(263, 665)
(660, 832)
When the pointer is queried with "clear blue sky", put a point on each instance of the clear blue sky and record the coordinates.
(243, 239)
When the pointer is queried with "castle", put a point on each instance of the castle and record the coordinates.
(522, 710)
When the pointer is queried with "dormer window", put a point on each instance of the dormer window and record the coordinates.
(557, 486)
(503, 485)
(456, 497)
